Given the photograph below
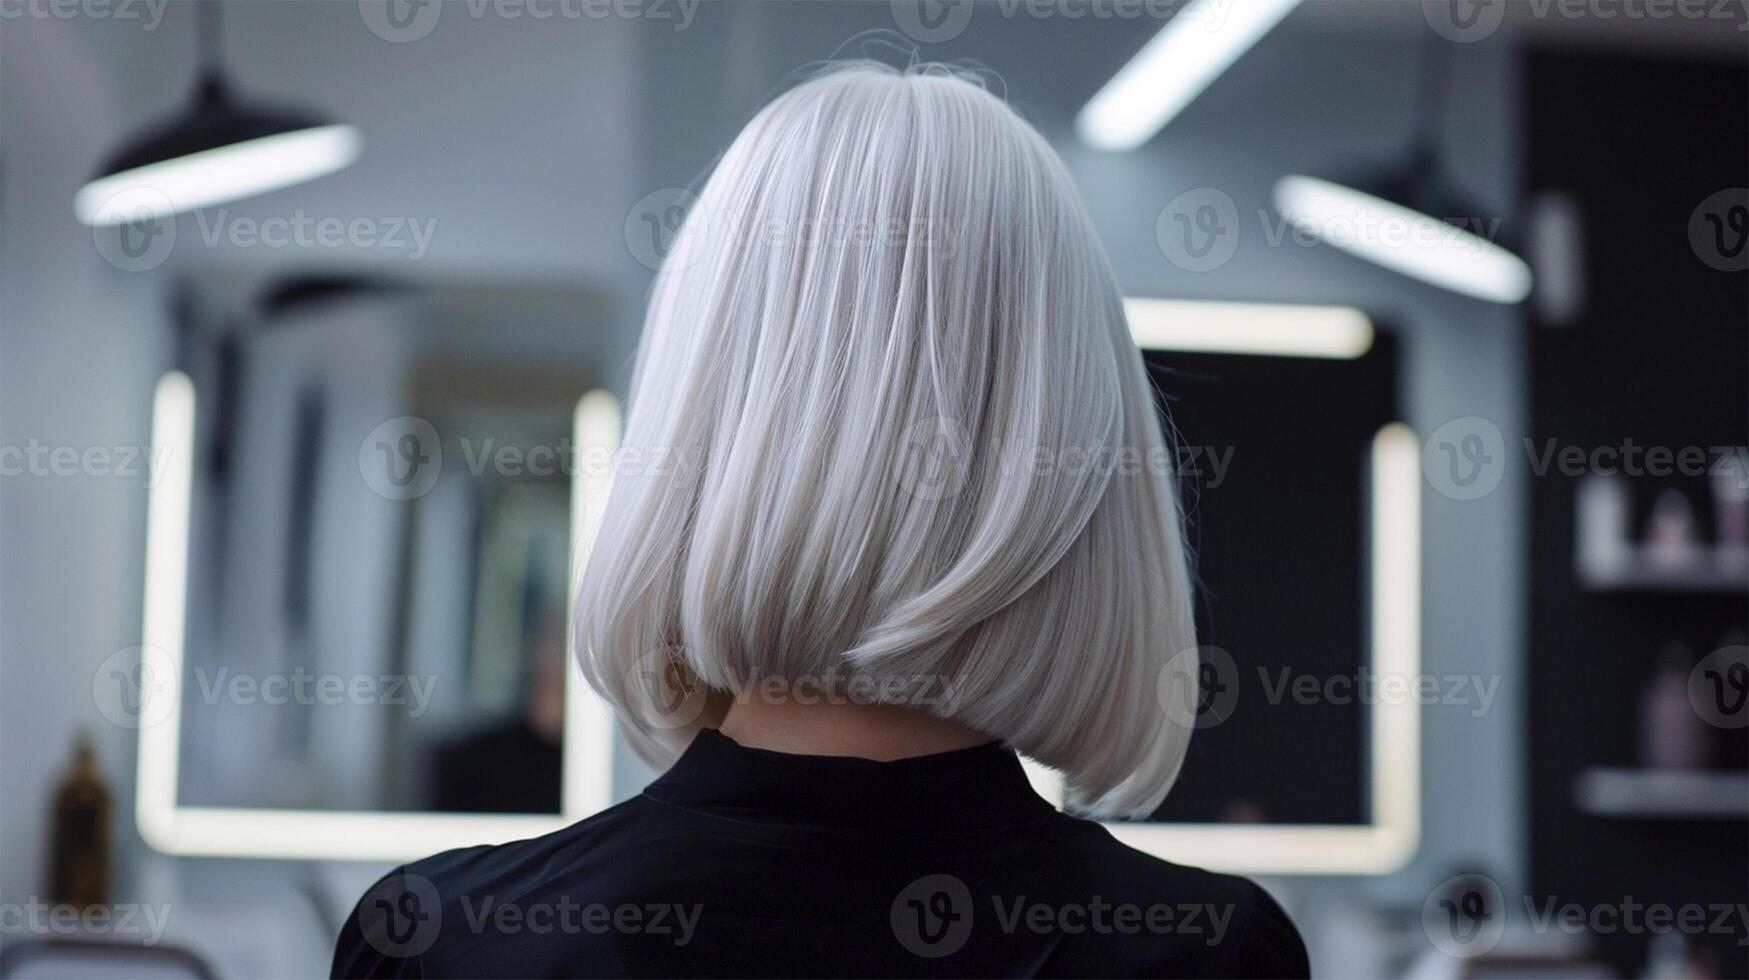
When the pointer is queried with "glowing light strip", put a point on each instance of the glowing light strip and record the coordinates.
(1390, 840)
(589, 726)
(1420, 246)
(218, 175)
(1199, 43)
(332, 834)
(1396, 629)
(163, 620)
(1280, 329)
(342, 835)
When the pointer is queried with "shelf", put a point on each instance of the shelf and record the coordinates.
(1722, 569)
(1675, 794)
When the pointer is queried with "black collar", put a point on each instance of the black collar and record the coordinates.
(983, 786)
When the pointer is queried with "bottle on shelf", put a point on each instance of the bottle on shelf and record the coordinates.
(1672, 538)
(1603, 548)
(79, 872)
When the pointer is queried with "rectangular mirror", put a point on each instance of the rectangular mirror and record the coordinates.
(1302, 492)
(359, 566)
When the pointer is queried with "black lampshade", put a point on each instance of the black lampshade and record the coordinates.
(218, 149)
(1412, 218)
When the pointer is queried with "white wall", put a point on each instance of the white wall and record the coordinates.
(81, 344)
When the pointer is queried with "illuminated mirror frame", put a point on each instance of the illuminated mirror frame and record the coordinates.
(1394, 612)
(172, 828)
(1394, 783)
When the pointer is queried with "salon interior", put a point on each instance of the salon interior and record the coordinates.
(301, 440)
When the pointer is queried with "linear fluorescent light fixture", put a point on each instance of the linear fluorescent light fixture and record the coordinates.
(1196, 45)
(1402, 239)
(219, 148)
(168, 505)
(358, 835)
(589, 728)
(1393, 778)
(1278, 329)
(183, 171)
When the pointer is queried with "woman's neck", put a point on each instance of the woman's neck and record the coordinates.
(869, 731)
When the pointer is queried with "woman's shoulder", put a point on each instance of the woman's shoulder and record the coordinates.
(1223, 924)
(415, 912)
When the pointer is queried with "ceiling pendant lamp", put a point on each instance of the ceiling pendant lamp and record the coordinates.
(1411, 218)
(216, 150)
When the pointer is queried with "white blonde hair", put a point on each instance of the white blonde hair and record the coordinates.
(888, 421)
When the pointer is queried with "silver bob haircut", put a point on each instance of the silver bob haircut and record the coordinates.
(888, 431)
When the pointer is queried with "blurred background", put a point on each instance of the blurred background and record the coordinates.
(314, 318)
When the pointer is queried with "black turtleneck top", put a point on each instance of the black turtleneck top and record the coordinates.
(742, 862)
